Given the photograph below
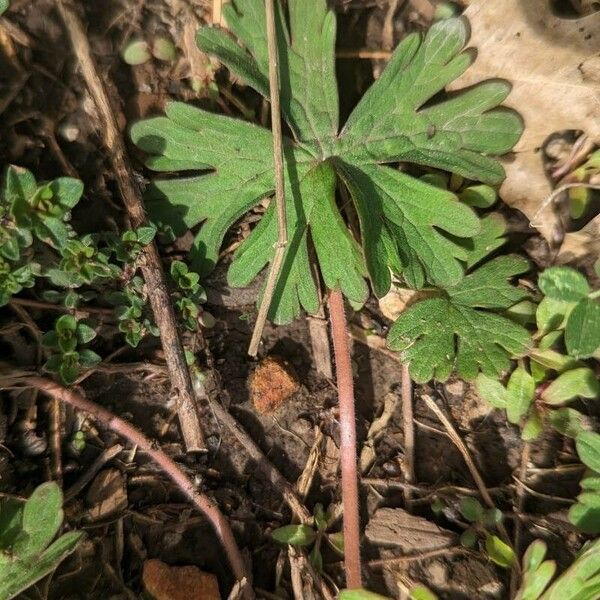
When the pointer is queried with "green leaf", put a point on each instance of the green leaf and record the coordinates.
(563, 283)
(567, 421)
(534, 555)
(471, 509)
(296, 535)
(88, 358)
(21, 574)
(42, 517)
(136, 52)
(393, 123)
(406, 226)
(533, 427)
(550, 359)
(66, 324)
(489, 287)
(520, 392)
(420, 592)
(535, 582)
(360, 595)
(4, 6)
(580, 580)
(85, 333)
(588, 448)
(479, 196)
(468, 538)
(491, 390)
(336, 540)
(585, 517)
(401, 221)
(499, 552)
(582, 333)
(425, 335)
(551, 313)
(309, 98)
(576, 383)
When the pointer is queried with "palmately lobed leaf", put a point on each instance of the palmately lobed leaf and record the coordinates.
(309, 96)
(393, 123)
(407, 227)
(436, 336)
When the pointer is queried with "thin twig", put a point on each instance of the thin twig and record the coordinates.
(167, 464)
(462, 448)
(269, 292)
(55, 417)
(408, 426)
(88, 475)
(76, 312)
(152, 270)
(348, 457)
(363, 53)
(277, 480)
(399, 560)
(520, 493)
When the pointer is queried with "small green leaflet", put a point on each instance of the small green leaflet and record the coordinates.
(588, 448)
(520, 391)
(407, 226)
(582, 332)
(438, 335)
(563, 283)
(499, 552)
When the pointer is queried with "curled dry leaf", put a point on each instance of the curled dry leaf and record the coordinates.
(273, 382)
(163, 582)
(553, 65)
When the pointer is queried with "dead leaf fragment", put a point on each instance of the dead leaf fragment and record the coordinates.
(552, 65)
(107, 495)
(164, 582)
(396, 528)
(273, 382)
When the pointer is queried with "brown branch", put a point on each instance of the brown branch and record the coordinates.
(408, 427)
(167, 464)
(275, 478)
(348, 456)
(152, 270)
(267, 298)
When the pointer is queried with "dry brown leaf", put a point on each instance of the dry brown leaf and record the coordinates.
(554, 67)
(107, 495)
(273, 382)
(396, 528)
(163, 582)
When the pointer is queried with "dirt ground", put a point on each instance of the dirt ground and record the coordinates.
(48, 126)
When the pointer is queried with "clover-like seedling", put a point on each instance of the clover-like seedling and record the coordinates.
(133, 313)
(407, 227)
(42, 208)
(482, 523)
(27, 552)
(307, 536)
(189, 294)
(67, 339)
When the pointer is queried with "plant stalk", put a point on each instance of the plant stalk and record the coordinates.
(269, 292)
(151, 266)
(167, 464)
(348, 455)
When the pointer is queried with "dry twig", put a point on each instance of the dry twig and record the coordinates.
(267, 298)
(152, 270)
(408, 427)
(462, 448)
(167, 464)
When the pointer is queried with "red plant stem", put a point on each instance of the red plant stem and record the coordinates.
(348, 456)
(168, 465)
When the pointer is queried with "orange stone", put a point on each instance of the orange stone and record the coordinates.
(163, 582)
(271, 384)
